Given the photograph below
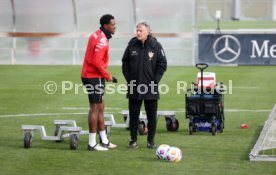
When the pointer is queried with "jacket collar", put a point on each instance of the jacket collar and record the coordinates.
(151, 40)
(107, 34)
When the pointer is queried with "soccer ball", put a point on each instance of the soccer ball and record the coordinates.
(161, 151)
(174, 154)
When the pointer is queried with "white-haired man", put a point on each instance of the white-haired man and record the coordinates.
(144, 63)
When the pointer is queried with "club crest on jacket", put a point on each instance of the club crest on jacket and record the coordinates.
(151, 54)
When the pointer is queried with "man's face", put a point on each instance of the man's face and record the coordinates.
(142, 33)
(111, 27)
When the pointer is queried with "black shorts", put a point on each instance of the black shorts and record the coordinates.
(94, 88)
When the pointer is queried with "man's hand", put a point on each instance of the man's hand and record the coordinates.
(114, 80)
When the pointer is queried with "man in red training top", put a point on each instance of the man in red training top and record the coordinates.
(93, 77)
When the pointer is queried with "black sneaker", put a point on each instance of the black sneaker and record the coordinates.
(132, 144)
(151, 145)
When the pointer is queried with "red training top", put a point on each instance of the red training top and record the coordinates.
(96, 57)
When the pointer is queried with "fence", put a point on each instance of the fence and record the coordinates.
(56, 32)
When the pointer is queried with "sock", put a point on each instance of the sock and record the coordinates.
(92, 139)
(103, 136)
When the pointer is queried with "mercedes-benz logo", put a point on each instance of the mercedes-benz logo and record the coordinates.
(227, 48)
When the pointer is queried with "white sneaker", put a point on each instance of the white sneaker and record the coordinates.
(109, 145)
(97, 147)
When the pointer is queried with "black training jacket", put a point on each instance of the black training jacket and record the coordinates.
(143, 67)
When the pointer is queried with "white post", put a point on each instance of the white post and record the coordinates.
(218, 16)
(274, 10)
(13, 50)
(236, 5)
(194, 52)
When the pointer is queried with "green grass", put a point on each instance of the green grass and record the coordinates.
(226, 153)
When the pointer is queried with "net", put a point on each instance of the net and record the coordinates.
(265, 147)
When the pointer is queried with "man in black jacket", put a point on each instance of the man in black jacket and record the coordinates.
(144, 63)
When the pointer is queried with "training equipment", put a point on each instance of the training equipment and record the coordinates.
(69, 129)
(64, 129)
(62, 126)
(204, 103)
(265, 147)
(143, 122)
(161, 151)
(174, 154)
(172, 123)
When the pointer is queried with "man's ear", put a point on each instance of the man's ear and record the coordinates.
(105, 26)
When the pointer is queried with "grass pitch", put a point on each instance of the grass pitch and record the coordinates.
(24, 101)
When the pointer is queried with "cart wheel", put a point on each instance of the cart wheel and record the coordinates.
(28, 140)
(194, 127)
(168, 124)
(73, 141)
(221, 127)
(172, 126)
(56, 133)
(125, 118)
(107, 129)
(214, 130)
(142, 128)
(191, 129)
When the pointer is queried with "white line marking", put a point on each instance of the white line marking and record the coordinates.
(87, 108)
(116, 112)
(236, 110)
(41, 114)
(113, 108)
(75, 108)
(247, 110)
(246, 87)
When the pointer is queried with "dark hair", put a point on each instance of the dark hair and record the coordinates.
(105, 19)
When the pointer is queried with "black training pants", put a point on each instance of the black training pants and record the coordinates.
(134, 107)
